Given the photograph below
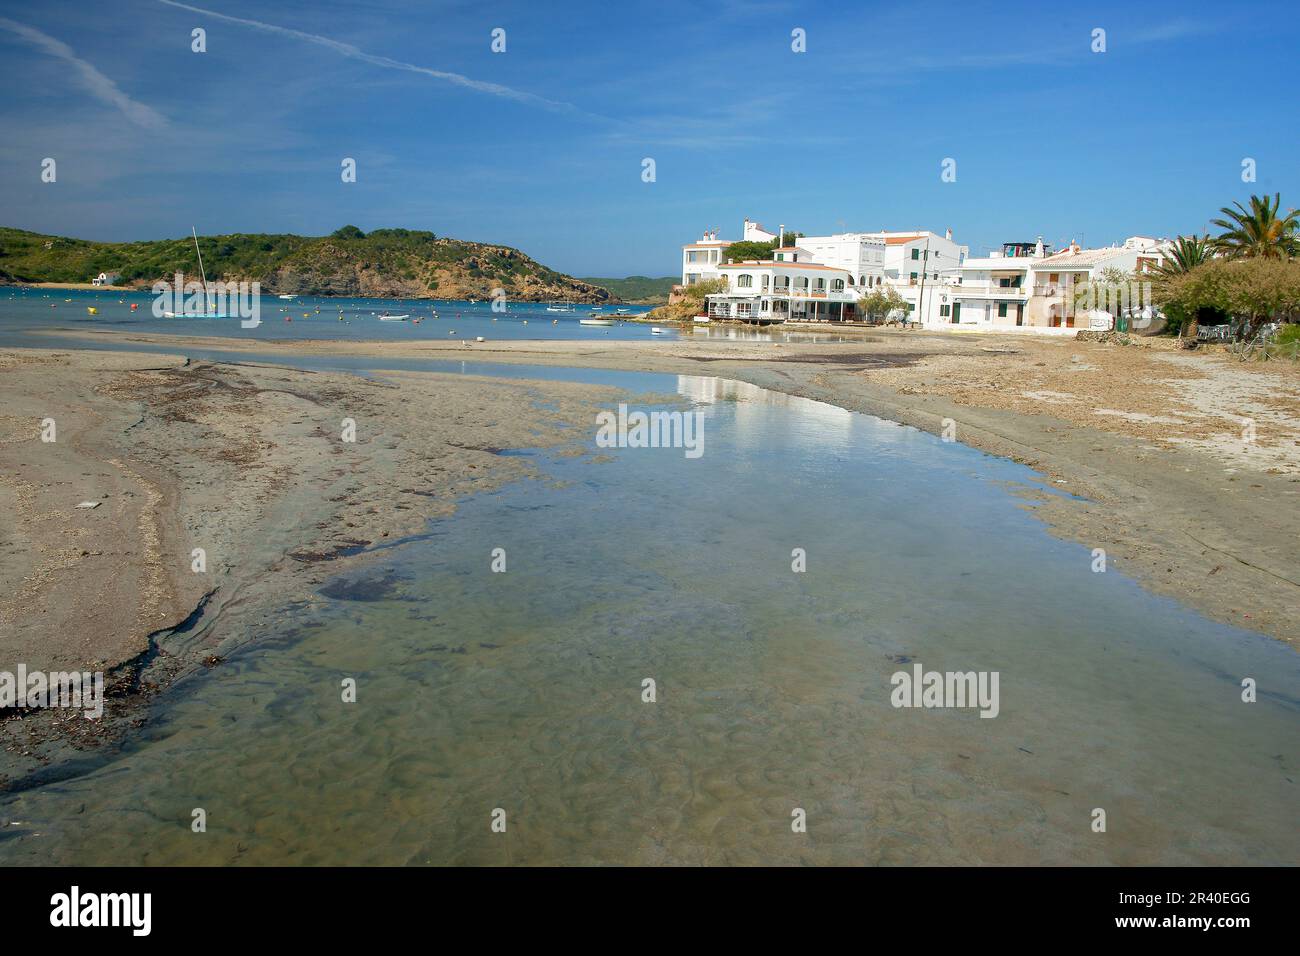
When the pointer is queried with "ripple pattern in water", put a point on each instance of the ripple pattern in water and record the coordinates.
(522, 690)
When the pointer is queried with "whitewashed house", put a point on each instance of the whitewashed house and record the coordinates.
(857, 253)
(754, 232)
(1027, 286)
(1054, 302)
(909, 256)
(1024, 285)
(106, 278)
(700, 260)
(784, 291)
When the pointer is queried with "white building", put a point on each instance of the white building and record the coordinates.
(1028, 286)
(700, 260)
(909, 255)
(820, 278)
(857, 253)
(754, 232)
(784, 291)
(106, 278)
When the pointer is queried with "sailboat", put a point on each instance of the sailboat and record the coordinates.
(208, 312)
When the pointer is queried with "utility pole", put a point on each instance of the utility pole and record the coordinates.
(920, 296)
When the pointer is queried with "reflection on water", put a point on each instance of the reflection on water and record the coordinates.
(741, 334)
(523, 690)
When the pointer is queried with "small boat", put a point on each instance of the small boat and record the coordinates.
(622, 311)
(595, 321)
(655, 330)
(385, 317)
(701, 320)
(205, 314)
(564, 307)
(288, 296)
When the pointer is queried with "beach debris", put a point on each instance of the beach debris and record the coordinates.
(87, 505)
(1001, 351)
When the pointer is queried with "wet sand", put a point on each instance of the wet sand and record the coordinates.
(1148, 438)
(247, 463)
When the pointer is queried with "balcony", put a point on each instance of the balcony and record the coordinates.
(990, 290)
(800, 292)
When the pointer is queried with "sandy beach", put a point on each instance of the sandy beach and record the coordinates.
(1150, 438)
(247, 462)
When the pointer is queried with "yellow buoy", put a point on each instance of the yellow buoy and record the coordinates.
(92, 311)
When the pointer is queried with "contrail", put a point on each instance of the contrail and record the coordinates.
(99, 86)
(355, 53)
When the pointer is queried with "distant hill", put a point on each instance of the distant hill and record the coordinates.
(386, 262)
(641, 290)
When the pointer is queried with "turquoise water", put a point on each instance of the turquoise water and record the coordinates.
(23, 311)
(523, 690)
(27, 311)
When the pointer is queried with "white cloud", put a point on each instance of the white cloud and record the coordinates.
(96, 83)
(356, 53)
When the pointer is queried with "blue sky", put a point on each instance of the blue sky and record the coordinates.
(541, 147)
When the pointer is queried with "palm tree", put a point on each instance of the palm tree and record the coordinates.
(1186, 253)
(1259, 231)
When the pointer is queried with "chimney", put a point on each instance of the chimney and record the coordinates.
(781, 243)
(948, 235)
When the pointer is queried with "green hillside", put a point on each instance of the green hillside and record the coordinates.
(385, 262)
(642, 290)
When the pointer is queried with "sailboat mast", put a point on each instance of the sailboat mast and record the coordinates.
(207, 306)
